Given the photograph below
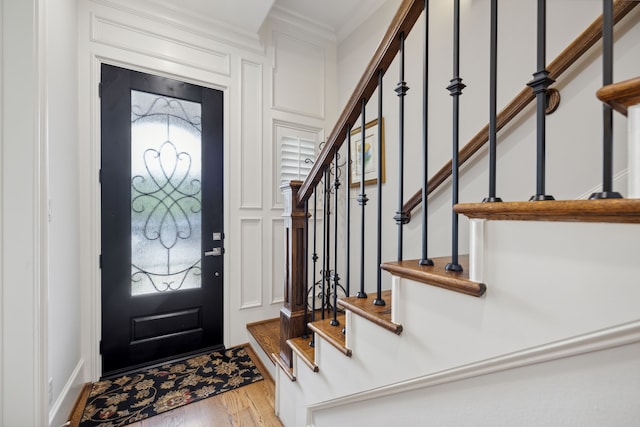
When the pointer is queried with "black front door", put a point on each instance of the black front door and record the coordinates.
(162, 219)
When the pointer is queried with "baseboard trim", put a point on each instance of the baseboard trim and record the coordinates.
(620, 176)
(67, 400)
(616, 336)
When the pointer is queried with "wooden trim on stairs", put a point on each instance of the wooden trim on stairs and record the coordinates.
(559, 65)
(607, 210)
(332, 334)
(288, 371)
(437, 275)
(302, 348)
(267, 335)
(620, 96)
(380, 315)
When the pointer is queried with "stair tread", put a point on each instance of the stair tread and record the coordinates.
(622, 95)
(608, 210)
(332, 334)
(301, 346)
(267, 335)
(436, 275)
(364, 307)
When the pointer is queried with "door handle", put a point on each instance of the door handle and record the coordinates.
(214, 252)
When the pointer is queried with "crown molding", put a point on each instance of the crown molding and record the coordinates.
(173, 15)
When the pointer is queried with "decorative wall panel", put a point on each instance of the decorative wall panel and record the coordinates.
(158, 45)
(251, 139)
(298, 76)
(277, 261)
(250, 262)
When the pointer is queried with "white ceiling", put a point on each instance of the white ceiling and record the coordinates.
(334, 15)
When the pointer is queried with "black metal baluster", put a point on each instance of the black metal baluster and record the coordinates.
(362, 199)
(425, 260)
(305, 333)
(541, 81)
(328, 231)
(493, 89)
(336, 278)
(402, 88)
(315, 261)
(325, 244)
(607, 113)
(348, 217)
(379, 300)
(455, 90)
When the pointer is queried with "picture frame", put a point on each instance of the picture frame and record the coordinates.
(372, 129)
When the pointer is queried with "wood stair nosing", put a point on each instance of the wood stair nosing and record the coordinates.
(380, 315)
(332, 334)
(301, 346)
(605, 210)
(281, 363)
(437, 275)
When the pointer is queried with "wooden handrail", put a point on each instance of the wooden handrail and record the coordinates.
(620, 96)
(403, 22)
(559, 65)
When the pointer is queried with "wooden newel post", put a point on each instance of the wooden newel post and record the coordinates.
(295, 279)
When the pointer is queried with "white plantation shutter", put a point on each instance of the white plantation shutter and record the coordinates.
(294, 153)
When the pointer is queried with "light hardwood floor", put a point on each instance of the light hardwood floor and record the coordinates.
(247, 406)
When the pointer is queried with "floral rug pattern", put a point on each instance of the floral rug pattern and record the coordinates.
(134, 397)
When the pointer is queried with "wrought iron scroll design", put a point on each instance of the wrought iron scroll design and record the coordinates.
(166, 196)
(328, 286)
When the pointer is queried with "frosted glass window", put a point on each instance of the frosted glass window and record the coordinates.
(166, 194)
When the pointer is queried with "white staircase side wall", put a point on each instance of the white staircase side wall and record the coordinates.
(289, 403)
(546, 282)
(633, 150)
(589, 390)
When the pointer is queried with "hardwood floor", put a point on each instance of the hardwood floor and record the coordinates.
(247, 406)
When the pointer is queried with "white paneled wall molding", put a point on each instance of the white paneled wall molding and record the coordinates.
(159, 37)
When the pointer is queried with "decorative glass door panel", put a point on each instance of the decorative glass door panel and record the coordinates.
(166, 196)
(161, 208)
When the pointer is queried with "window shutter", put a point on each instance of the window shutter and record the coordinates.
(296, 158)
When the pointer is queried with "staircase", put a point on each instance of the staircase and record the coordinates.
(434, 337)
(541, 326)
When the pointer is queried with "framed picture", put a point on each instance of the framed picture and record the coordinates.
(371, 154)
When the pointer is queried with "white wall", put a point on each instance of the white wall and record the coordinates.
(592, 389)
(573, 131)
(263, 91)
(2, 38)
(23, 263)
(65, 362)
(40, 280)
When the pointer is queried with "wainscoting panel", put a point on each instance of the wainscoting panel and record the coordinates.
(251, 138)
(298, 76)
(136, 39)
(277, 260)
(250, 262)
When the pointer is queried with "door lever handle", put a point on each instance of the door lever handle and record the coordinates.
(214, 252)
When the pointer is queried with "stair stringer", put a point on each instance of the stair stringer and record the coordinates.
(547, 282)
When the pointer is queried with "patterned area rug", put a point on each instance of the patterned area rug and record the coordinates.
(134, 397)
